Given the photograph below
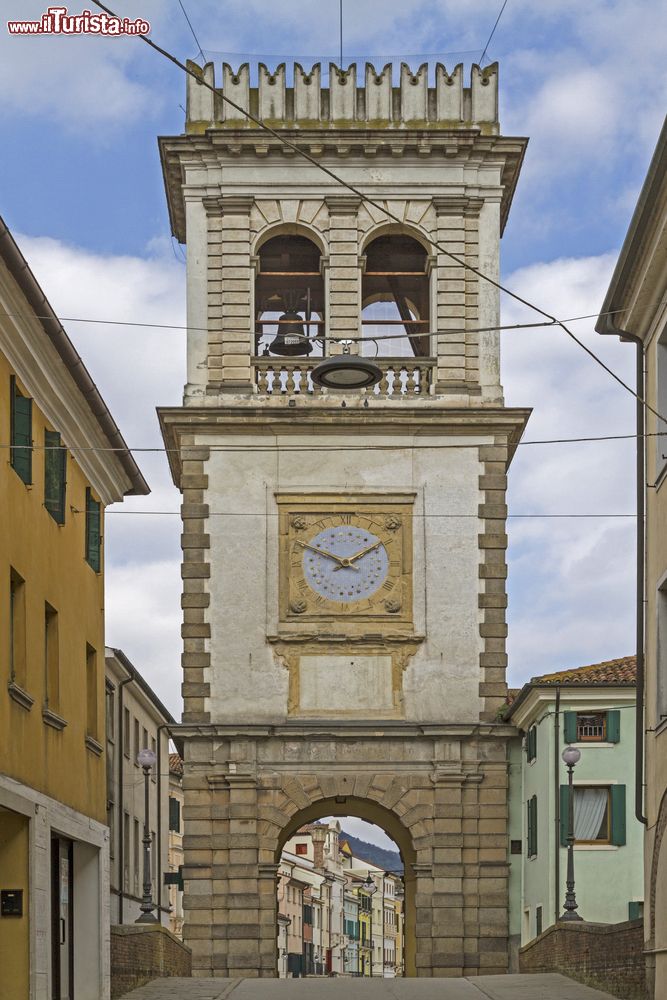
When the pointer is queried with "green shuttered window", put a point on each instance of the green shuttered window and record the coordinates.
(599, 814)
(592, 727)
(174, 814)
(55, 469)
(531, 839)
(20, 433)
(531, 743)
(93, 531)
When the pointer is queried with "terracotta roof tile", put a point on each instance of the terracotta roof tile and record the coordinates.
(620, 671)
(175, 764)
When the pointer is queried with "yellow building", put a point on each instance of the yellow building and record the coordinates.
(63, 460)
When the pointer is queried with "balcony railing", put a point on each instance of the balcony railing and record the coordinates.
(400, 377)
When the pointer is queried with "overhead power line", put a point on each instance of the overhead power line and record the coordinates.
(493, 31)
(185, 15)
(387, 212)
(369, 337)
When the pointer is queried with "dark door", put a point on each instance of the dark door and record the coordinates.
(62, 944)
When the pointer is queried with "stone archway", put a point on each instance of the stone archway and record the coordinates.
(388, 820)
(440, 791)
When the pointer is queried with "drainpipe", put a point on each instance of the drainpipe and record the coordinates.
(608, 327)
(121, 815)
(557, 805)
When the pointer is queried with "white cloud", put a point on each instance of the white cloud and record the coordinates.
(571, 580)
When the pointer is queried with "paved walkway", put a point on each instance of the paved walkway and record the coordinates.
(543, 987)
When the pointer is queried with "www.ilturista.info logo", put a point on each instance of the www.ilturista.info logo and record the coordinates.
(57, 21)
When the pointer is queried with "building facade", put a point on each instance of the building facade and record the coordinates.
(136, 720)
(635, 308)
(363, 671)
(66, 462)
(591, 708)
(175, 845)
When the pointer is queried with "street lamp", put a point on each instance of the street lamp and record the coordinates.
(369, 888)
(570, 756)
(146, 760)
(346, 371)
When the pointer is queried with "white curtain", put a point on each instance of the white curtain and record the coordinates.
(589, 810)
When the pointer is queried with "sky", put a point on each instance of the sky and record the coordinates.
(82, 191)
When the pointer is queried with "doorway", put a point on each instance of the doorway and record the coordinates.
(62, 919)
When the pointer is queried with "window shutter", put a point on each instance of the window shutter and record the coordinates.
(564, 805)
(570, 727)
(533, 743)
(55, 463)
(21, 433)
(614, 726)
(618, 815)
(93, 537)
(531, 808)
(174, 814)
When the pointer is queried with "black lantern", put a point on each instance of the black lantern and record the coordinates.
(346, 371)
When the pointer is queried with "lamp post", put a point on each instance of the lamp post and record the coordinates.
(369, 888)
(571, 757)
(146, 761)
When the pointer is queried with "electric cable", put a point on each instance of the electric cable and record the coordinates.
(493, 31)
(185, 15)
(198, 77)
(390, 336)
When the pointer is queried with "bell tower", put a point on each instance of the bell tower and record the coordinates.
(342, 451)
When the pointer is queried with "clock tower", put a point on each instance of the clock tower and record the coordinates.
(343, 547)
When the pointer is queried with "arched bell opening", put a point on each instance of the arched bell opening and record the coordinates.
(289, 299)
(395, 299)
(363, 911)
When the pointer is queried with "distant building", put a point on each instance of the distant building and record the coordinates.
(136, 719)
(592, 708)
(66, 462)
(635, 307)
(175, 846)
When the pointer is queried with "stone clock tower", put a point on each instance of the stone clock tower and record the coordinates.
(343, 551)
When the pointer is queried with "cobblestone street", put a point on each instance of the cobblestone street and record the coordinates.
(538, 987)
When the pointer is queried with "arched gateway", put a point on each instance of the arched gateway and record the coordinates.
(343, 552)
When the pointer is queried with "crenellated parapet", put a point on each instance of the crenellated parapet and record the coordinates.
(349, 100)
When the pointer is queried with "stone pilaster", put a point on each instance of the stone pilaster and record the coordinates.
(195, 573)
(450, 318)
(493, 575)
(230, 293)
(344, 277)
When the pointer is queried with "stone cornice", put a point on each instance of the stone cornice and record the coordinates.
(331, 728)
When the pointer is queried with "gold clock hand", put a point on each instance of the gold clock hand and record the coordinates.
(343, 561)
(363, 552)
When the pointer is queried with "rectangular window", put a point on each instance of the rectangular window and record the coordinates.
(301, 849)
(126, 852)
(154, 749)
(127, 734)
(661, 613)
(175, 815)
(599, 814)
(20, 430)
(93, 531)
(17, 630)
(111, 823)
(531, 744)
(531, 839)
(55, 468)
(91, 691)
(661, 404)
(538, 920)
(592, 727)
(137, 748)
(51, 659)
(137, 856)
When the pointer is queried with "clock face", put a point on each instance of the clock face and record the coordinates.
(345, 563)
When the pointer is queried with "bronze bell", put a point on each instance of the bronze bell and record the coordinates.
(290, 340)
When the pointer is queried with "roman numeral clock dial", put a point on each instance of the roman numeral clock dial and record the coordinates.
(351, 564)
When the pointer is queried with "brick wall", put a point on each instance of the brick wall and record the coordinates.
(140, 953)
(606, 956)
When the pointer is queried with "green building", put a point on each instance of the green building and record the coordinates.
(592, 708)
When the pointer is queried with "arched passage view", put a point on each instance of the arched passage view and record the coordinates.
(340, 902)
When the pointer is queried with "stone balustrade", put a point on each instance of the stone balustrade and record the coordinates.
(400, 377)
